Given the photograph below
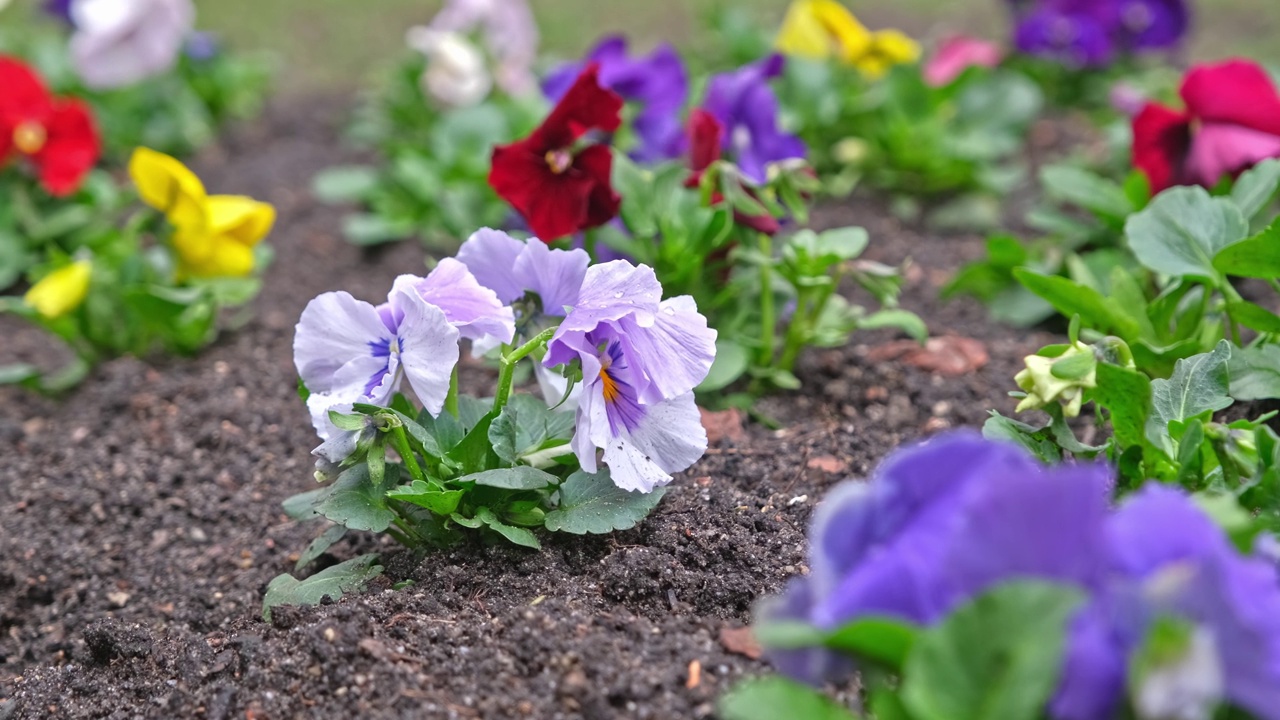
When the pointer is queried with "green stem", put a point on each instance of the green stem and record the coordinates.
(508, 366)
(589, 241)
(401, 442)
(768, 317)
(451, 400)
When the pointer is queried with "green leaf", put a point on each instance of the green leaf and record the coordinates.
(775, 697)
(996, 658)
(885, 640)
(1071, 298)
(731, 363)
(440, 502)
(303, 505)
(1037, 441)
(1200, 384)
(349, 183)
(591, 503)
(518, 535)
(521, 477)
(1253, 316)
(1255, 373)
(320, 546)
(1183, 229)
(1127, 394)
(475, 453)
(525, 425)
(1256, 257)
(353, 500)
(904, 320)
(1254, 189)
(333, 582)
(1088, 190)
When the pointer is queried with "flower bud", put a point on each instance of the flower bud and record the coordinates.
(1062, 378)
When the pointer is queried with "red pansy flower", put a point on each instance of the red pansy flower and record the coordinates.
(705, 136)
(56, 135)
(559, 187)
(1231, 122)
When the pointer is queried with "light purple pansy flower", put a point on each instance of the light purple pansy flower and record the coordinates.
(510, 32)
(641, 358)
(514, 268)
(349, 351)
(944, 521)
(657, 83)
(747, 109)
(118, 43)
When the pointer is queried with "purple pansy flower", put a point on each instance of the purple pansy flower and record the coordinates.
(747, 108)
(348, 351)
(1089, 33)
(514, 268)
(120, 42)
(60, 9)
(641, 358)
(658, 83)
(947, 520)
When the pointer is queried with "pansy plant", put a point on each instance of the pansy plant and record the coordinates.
(155, 281)
(591, 453)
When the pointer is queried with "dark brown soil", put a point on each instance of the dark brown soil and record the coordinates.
(140, 518)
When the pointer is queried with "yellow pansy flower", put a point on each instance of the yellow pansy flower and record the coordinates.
(888, 48)
(825, 29)
(61, 291)
(214, 235)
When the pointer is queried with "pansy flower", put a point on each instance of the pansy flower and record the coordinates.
(822, 29)
(118, 43)
(947, 520)
(349, 351)
(456, 74)
(1078, 33)
(959, 53)
(560, 186)
(539, 282)
(1231, 121)
(61, 291)
(747, 109)
(705, 137)
(509, 30)
(1153, 24)
(214, 235)
(55, 136)
(641, 358)
(657, 83)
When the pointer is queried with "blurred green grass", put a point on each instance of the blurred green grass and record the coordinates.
(336, 44)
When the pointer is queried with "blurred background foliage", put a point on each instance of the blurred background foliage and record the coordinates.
(338, 43)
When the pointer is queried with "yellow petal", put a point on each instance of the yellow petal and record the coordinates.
(821, 29)
(61, 291)
(242, 219)
(194, 245)
(228, 259)
(887, 49)
(167, 185)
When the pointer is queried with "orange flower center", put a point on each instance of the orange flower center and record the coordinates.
(559, 160)
(29, 137)
(608, 385)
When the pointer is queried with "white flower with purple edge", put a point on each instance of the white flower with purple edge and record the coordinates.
(118, 43)
(641, 358)
(348, 351)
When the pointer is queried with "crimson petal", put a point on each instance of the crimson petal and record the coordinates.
(586, 106)
(1161, 139)
(1237, 92)
(72, 148)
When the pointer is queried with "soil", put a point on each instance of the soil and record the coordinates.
(140, 517)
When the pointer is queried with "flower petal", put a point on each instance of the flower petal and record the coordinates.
(1161, 138)
(243, 219)
(472, 308)
(1221, 150)
(1236, 92)
(555, 275)
(675, 353)
(167, 185)
(668, 439)
(72, 148)
(428, 347)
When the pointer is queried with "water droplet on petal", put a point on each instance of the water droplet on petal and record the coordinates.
(618, 294)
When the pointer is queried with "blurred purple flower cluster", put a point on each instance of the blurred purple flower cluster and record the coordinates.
(1090, 33)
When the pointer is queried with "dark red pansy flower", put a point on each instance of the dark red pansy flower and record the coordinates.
(705, 136)
(1231, 122)
(559, 186)
(56, 136)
